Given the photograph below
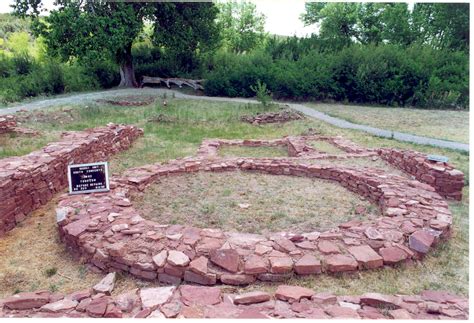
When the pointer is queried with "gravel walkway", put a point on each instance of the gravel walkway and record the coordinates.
(90, 97)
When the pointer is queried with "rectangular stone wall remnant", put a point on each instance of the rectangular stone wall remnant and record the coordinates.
(27, 182)
(443, 177)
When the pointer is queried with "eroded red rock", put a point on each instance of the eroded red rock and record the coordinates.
(197, 295)
(293, 293)
(251, 298)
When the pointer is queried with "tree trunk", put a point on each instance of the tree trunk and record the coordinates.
(127, 72)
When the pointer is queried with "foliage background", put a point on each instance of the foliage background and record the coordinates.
(370, 53)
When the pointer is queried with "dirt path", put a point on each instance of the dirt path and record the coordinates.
(90, 97)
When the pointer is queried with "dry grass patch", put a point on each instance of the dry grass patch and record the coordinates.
(245, 151)
(33, 258)
(441, 124)
(250, 202)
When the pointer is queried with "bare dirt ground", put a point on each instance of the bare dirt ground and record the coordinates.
(251, 202)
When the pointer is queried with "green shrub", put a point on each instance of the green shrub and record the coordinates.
(262, 93)
(22, 64)
(384, 75)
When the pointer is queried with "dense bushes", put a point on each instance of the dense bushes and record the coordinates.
(22, 76)
(387, 75)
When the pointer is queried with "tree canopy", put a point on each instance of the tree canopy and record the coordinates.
(440, 25)
(91, 29)
(242, 27)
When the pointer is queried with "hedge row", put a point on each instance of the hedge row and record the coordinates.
(384, 75)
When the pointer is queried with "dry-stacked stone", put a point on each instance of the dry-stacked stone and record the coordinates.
(29, 181)
(187, 301)
(297, 146)
(108, 232)
(7, 124)
(447, 180)
(282, 116)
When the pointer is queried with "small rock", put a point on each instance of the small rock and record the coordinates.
(226, 258)
(199, 265)
(244, 205)
(237, 279)
(178, 258)
(62, 305)
(201, 296)
(152, 297)
(106, 285)
(341, 263)
(160, 258)
(421, 241)
(255, 265)
(366, 256)
(293, 293)
(281, 265)
(251, 298)
(26, 301)
(328, 247)
(377, 300)
(392, 255)
(97, 307)
(308, 264)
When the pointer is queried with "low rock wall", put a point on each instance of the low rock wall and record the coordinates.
(447, 180)
(29, 181)
(7, 124)
(110, 234)
(187, 301)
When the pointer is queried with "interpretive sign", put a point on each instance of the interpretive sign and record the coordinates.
(88, 178)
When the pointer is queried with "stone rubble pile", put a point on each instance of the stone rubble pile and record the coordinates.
(7, 124)
(282, 116)
(447, 180)
(128, 101)
(29, 181)
(111, 235)
(187, 301)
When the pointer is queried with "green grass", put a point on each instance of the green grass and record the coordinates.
(12, 144)
(325, 147)
(440, 124)
(193, 120)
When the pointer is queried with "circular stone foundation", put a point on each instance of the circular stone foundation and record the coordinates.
(249, 202)
(110, 233)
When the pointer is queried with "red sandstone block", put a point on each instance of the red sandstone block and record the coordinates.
(366, 256)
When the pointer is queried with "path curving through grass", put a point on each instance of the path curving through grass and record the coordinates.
(89, 97)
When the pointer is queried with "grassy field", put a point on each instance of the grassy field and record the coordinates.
(184, 124)
(440, 124)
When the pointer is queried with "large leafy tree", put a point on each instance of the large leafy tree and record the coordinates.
(186, 30)
(441, 25)
(93, 29)
(242, 26)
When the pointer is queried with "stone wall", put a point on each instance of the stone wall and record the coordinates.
(7, 124)
(297, 147)
(29, 181)
(447, 180)
(110, 234)
(188, 301)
